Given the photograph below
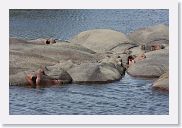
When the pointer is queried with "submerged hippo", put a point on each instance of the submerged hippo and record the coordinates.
(152, 47)
(40, 79)
(43, 41)
(40, 41)
(134, 59)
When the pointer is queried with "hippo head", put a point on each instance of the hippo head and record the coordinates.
(157, 47)
(50, 41)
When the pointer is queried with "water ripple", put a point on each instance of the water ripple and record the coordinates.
(121, 97)
(127, 96)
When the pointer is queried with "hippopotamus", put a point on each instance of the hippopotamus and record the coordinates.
(152, 47)
(134, 59)
(39, 79)
(42, 41)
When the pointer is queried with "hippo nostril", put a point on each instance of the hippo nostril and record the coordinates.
(34, 79)
(162, 46)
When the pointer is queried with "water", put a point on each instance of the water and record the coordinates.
(129, 96)
(64, 24)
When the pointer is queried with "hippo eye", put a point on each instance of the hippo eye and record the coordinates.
(47, 42)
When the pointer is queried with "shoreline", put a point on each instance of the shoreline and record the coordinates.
(93, 56)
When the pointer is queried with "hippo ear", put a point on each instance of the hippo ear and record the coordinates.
(54, 41)
(44, 68)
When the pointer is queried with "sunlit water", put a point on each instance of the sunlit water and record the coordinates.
(127, 96)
